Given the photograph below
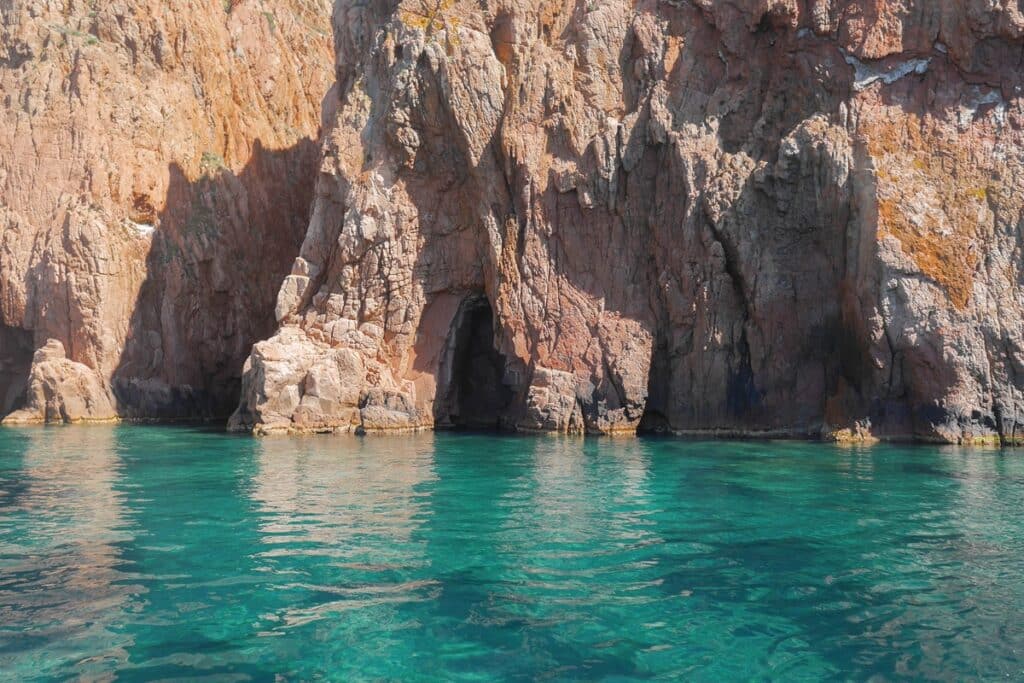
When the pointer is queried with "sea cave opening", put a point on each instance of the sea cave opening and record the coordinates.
(477, 397)
(654, 421)
(16, 349)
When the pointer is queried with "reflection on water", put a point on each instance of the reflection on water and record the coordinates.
(305, 496)
(155, 553)
(360, 519)
(61, 532)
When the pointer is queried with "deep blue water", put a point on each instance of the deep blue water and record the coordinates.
(142, 553)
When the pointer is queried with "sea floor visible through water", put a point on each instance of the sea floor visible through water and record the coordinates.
(142, 553)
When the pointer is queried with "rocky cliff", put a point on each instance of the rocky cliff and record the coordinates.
(758, 217)
(753, 217)
(155, 168)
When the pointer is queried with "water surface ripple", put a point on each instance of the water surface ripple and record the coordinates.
(132, 553)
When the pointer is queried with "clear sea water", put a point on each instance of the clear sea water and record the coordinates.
(145, 553)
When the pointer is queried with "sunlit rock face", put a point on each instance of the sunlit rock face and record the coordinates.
(791, 217)
(155, 169)
(61, 390)
(777, 217)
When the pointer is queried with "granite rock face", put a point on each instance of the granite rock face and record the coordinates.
(61, 390)
(770, 217)
(154, 188)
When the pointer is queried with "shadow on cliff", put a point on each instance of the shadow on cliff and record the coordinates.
(221, 247)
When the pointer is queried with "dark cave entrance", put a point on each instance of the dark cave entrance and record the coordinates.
(654, 420)
(653, 423)
(473, 370)
(16, 349)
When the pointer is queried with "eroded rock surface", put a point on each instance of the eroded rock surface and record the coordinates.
(61, 390)
(794, 217)
(154, 188)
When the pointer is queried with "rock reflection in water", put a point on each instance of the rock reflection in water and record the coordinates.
(68, 577)
(354, 502)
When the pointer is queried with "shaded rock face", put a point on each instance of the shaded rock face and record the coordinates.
(154, 188)
(15, 363)
(791, 217)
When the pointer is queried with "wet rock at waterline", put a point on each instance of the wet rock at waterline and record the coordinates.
(61, 390)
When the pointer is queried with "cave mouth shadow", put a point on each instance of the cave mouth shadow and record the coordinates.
(655, 419)
(654, 423)
(16, 350)
(472, 393)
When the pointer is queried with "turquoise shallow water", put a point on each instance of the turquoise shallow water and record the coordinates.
(137, 553)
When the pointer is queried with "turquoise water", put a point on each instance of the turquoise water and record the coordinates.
(137, 553)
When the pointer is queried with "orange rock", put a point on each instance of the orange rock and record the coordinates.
(155, 175)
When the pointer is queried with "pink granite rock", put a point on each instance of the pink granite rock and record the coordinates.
(733, 218)
(155, 169)
(61, 390)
